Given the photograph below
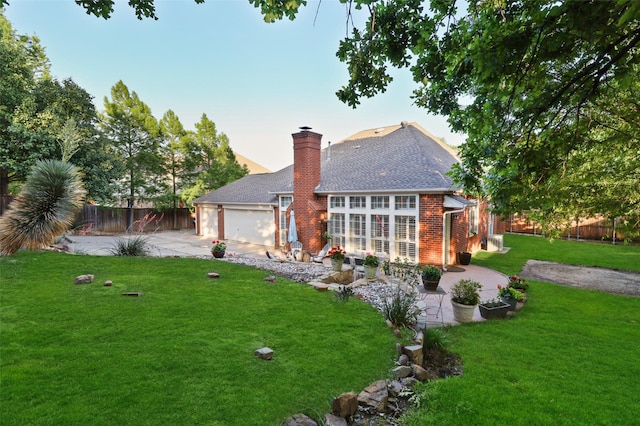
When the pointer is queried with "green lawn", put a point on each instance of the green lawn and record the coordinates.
(570, 357)
(180, 354)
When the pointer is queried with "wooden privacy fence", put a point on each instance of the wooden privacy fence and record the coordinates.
(595, 228)
(113, 220)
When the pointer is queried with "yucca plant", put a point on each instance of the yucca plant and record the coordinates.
(132, 246)
(46, 207)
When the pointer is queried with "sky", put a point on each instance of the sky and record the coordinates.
(258, 82)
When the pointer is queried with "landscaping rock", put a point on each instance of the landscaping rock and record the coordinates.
(420, 373)
(401, 371)
(414, 353)
(300, 420)
(341, 277)
(333, 420)
(395, 387)
(409, 382)
(213, 275)
(83, 279)
(264, 353)
(108, 283)
(403, 360)
(345, 405)
(271, 279)
(375, 395)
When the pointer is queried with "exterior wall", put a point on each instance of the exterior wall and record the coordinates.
(430, 225)
(306, 177)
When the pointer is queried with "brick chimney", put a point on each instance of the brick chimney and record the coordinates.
(306, 177)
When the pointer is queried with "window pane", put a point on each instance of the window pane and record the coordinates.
(380, 202)
(379, 233)
(358, 232)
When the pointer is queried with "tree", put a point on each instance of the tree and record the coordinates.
(173, 138)
(210, 159)
(134, 135)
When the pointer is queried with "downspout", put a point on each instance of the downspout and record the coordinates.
(444, 231)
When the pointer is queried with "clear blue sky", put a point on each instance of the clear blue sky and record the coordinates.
(258, 82)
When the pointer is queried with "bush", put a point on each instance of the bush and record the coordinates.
(400, 309)
(431, 273)
(466, 292)
(435, 338)
(134, 246)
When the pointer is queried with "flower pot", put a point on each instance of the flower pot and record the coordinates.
(336, 264)
(463, 313)
(510, 301)
(464, 258)
(490, 312)
(218, 254)
(370, 272)
(431, 285)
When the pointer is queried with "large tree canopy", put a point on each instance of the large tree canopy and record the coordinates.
(545, 90)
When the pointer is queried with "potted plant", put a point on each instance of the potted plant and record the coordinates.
(464, 258)
(494, 308)
(510, 295)
(337, 255)
(218, 249)
(518, 283)
(371, 264)
(431, 277)
(465, 295)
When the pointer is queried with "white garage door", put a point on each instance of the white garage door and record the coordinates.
(250, 226)
(209, 221)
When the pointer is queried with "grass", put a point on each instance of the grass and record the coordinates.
(569, 357)
(180, 354)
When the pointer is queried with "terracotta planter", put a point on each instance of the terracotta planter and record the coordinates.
(218, 254)
(370, 272)
(336, 264)
(463, 313)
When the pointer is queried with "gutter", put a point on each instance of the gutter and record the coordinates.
(444, 231)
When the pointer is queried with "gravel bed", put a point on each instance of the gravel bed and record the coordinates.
(296, 271)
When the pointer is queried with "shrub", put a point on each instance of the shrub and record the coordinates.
(400, 309)
(431, 273)
(435, 338)
(343, 293)
(134, 246)
(466, 292)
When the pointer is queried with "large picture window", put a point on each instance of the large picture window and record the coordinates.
(336, 229)
(379, 233)
(358, 232)
(405, 236)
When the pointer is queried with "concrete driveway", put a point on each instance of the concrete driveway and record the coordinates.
(183, 243)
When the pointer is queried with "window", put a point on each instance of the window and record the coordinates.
(405, 202)
(379, 202)
(405, 237)
(380, 233)
(336, 229)
(357, 202)
(474, 219)
(357, 232)
(285, 202)
(336, 202)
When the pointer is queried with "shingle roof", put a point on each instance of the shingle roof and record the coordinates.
(252, 189)
(387, 159)
(391, 159)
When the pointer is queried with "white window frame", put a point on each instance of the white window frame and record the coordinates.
(284, 202)
(474, 219)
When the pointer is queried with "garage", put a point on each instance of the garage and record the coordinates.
(253, 224)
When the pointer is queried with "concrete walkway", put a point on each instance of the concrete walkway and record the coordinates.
(187, 244)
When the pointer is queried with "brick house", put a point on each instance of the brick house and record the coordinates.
(380, 190)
